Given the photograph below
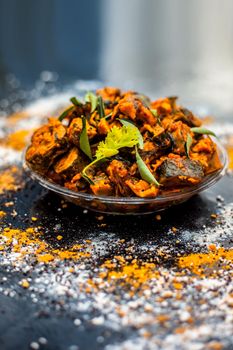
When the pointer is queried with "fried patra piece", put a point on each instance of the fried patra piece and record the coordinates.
(118, 173)
(70, 164)
(155, 147)
(47, 143)
(205, 151)
(186, 116)
(109, 93)
(142, 188)
(102, 185)
(77, 184)
(132, 107)
(179, 133)
(178, 171)
(75, 128)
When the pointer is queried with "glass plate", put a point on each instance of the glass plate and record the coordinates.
(131, 205)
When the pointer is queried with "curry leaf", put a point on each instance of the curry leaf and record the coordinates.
(144, 99)
(140, 138)
(154, 112)
(108, 115)
(100, 107)
(84, 141)
(93, 99)
(144, 170)
(203, 131)
(65, 113)
(188, 144)
(75, 101)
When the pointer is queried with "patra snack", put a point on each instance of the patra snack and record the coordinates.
(117, 143)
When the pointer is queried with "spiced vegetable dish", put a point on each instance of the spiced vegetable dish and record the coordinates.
(115, 143)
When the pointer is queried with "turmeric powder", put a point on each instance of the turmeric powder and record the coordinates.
(10, 179)
(28, 242)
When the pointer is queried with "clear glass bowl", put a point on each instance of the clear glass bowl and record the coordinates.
(131, 205)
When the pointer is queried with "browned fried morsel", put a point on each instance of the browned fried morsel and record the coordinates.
(141, 188)
(102, 185)
(75, 128)
(180, 171)
(118, 172)
(48, 142)
(70, 164)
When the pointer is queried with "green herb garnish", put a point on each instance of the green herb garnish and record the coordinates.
(144, 170)
(203, 131)
(84, 141)
(92, 99)
(116, 138)
(65, 113)
(154, 112)
(188, 144)
(130, 124)
(108, 115)
(100, 107)
(75, 101)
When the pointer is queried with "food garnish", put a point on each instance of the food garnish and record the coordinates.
(84, 141)
(203, 131)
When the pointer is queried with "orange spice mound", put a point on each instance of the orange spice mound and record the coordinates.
(135, 273)
(17, 140)
(10, 179)
(200, 263)
(28, 243)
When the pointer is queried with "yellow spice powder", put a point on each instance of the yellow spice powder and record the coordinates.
(28, 242)
(10, 179)
(17, 140)
(199, 262)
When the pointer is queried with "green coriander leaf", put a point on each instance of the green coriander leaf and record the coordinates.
(188, 144)
(144, 170)
(86, 177)
(84, 172)
(140, 138)
(115, 139)
(65, 113)
(203, 131)
(92, 99)
(84, 141)
(100, 107)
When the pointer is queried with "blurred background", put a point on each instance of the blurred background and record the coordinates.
(161, 47)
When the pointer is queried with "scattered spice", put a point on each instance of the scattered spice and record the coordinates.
(10, 179)
(17, 140)
(29, 242)
(203, 263)
(2, 214)
(25, 284)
